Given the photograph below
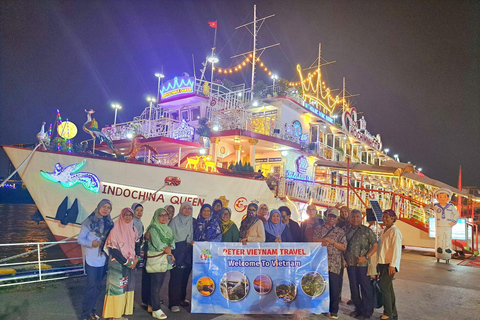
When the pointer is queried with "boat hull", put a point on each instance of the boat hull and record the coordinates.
(125, 183)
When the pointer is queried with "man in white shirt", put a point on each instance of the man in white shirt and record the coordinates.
(389, 257)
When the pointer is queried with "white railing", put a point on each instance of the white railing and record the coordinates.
(327, 152)
(37, 269)
(329, 195)
(163, 127)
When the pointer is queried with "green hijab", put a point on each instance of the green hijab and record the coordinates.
(161, 235)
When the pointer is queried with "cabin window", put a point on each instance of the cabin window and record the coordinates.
(195, 113)
(314, 134)
(185, 115)
(174, 115)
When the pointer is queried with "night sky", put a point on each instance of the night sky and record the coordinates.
(414, 64)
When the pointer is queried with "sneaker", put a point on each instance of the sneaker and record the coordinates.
(159, 314)
(185, 303)
(175, 309)
(333, 315)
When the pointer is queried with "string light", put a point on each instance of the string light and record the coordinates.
(238, 67)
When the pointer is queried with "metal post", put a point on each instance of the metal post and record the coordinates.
(348, 183)
(39, 263)
(254, 54)
(115, 119)
(179, 156)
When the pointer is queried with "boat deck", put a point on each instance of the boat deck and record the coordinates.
(424, 290)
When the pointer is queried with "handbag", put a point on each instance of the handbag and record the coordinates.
(157, 263)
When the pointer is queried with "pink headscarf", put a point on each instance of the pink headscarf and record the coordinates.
(123, 236)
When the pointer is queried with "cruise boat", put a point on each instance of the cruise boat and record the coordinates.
(292, 143)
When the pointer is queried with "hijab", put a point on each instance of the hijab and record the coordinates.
(217, 214)
(272, 228)
(206, 229)
(160, 234)
(166, 208)
(182, 226)
(225, 226)
(265, 217)
(123, 236)
(98, 224)
(249, 221)
(136, 221)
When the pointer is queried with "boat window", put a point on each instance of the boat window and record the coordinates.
(185, 115)
(174, 115)
(195, 113)
(314, 134)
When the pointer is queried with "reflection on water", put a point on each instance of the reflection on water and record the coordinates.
(17, 227)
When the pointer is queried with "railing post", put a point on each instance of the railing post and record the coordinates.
(39, 263)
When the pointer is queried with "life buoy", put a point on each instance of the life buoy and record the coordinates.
(213, 102)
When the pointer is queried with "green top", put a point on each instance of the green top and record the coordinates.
(161, 236)
(231, 235)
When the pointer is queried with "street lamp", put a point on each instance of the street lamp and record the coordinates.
(160, 76)
(115, 106)
(274, 77)
(212, 59)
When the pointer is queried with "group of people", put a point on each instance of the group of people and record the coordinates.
(353, 246)
(167, 244)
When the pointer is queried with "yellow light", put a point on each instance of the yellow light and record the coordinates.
(261, 64)
(230, 70)
(220, 70)
(258, 59)
(250, 56)
(240, 67)
(245, 63)
(266, 69)
(248, 60)
(236, 69)
(213, 68)
(269, 73)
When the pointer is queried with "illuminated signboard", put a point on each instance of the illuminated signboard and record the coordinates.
(358, 128)
(317, 112)
(459, 231)
(177, 87)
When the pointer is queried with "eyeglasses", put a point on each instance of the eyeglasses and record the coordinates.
(128, 215)
(163, 215)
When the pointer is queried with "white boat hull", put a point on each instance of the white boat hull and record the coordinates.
(125, 183)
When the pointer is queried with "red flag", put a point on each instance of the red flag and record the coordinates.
(213, 24)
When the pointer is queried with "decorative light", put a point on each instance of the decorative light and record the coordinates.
(236, 139)
(69, 176)
(202, 151)
(129, 135)
(386, 150)
(159, 75)
(420, 169)
(215, 127)
(255, 103)
(284, 153)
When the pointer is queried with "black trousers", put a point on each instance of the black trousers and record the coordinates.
(361, 289)
(335, 283)
(146, 286)
(94, 285)
(156, 287)
(177, 287)
(388, 295)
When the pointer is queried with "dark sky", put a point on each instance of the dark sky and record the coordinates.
(414, 64)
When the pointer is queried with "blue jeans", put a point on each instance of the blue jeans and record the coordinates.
(93, 288)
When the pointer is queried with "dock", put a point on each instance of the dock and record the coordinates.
(424, 290)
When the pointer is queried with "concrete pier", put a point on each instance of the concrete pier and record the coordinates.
(424, 290)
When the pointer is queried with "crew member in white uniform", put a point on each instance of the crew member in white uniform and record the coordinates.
(446, 216)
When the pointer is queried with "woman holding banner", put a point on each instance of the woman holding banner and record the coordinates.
(275, 230)
(251, 229)
(182, 228)
(229, 228)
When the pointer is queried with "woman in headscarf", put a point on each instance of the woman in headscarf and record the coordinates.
(228, 227)
(160, 242)
(263, 213)
(171, 211)
(207, 227)
(276, 230)
(182, 228)
(217, 209)
(122, 262)
(92, 238)
(251, 228)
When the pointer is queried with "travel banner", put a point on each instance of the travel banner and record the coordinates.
(260, 278)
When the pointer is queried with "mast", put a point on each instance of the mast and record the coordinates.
(254, 42)
(254, 34)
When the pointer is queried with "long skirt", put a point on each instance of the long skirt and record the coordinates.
(119, 291)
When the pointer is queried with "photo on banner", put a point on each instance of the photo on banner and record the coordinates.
(259, 278)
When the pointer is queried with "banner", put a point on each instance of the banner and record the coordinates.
(259, 278)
